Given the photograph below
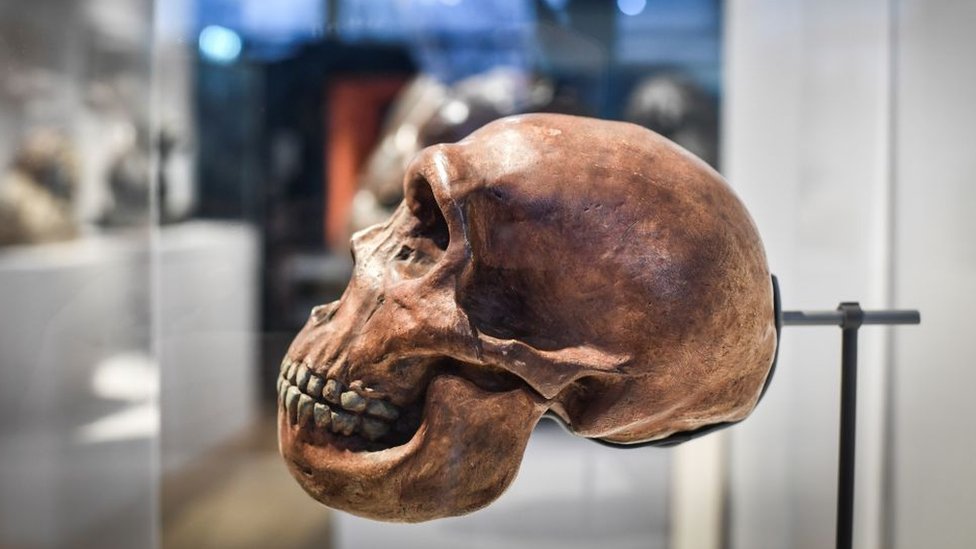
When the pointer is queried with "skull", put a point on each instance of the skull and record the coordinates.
(546, 263)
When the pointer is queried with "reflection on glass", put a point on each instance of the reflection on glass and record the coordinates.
(78, 382)
(38, 191)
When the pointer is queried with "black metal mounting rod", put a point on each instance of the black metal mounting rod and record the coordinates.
(849, 317)
(837, 318)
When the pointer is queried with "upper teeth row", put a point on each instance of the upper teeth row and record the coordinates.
(299, 389)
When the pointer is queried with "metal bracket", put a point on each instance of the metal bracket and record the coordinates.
(849, 316)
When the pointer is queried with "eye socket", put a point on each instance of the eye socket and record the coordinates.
(431, 222)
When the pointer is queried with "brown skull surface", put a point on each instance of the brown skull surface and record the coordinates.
(587, 268)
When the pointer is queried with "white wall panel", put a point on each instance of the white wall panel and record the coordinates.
(805, 145)
(849, 135)
(933, 475)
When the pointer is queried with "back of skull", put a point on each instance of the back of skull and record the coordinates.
(626, 261)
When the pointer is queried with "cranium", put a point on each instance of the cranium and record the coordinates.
(546, 263)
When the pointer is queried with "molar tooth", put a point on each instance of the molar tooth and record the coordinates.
(315, 385)
(356, 385)
(305, 404)
(322, 415)
(373, 429)
(382, 409)
(291, 403)
(301, 377)
(344, 423)
(353, 402)
(332, 391)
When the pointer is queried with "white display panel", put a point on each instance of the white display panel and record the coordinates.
(844, 132)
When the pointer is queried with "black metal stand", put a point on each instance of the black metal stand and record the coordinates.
(849, 317)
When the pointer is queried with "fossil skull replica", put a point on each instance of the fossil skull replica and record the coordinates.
(546, 263)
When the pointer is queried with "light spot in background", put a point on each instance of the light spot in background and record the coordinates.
(631, 7)
(132, 423)
(128, 377)
(405, 138)
(455, 112)
(220, 44)
(131, 377)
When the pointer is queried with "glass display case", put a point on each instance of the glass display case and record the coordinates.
(79, 385)
(180, 179)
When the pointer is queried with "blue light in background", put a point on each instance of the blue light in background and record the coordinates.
(271, 30)
(631, 7)
(674, 33)
(220, 44)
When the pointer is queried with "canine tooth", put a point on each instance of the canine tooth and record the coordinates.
(305, 404)
(291, 403)
(333, 390)
(382, 409)
(315, 385)
(290, 372)
(373, 429)
(344, 423)
(322, 415)
(301, 378)
(352, 401)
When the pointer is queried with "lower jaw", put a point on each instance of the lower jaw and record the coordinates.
(465, 453)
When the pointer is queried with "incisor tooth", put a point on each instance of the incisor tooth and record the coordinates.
(322, 415)
(290, 372)
(305, 403)
(353, 402)
(283, 392)
(291, 403)
(332, 391)
(382, 409)
(301, 378)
